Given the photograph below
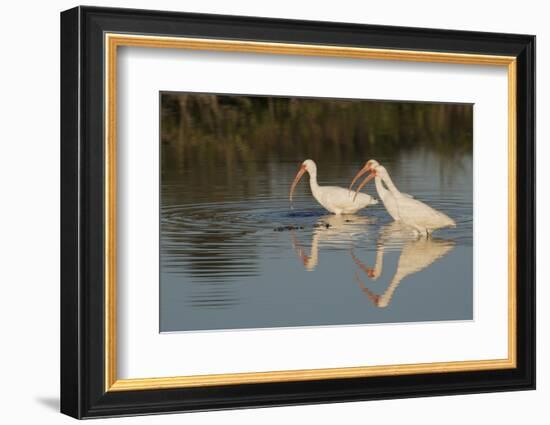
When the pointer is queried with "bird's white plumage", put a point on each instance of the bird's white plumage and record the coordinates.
(386, 196)
(422, 217)
(387, 199)
(403, 207)
(336, 200)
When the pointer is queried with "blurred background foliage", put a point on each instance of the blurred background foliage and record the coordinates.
(220, 129)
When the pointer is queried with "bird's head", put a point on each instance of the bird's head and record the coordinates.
(375, 170)
(369, 166)
(309, 166)
(380, 171)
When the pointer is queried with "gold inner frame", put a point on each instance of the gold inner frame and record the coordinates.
(113, 41)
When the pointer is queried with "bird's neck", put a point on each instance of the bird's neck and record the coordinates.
(390, 185)
(382, 191)
(313, 181)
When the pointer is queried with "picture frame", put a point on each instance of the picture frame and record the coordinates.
(90, 40)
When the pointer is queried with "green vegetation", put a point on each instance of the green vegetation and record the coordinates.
(232, 130)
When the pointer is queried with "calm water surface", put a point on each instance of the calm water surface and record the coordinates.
(229, 260)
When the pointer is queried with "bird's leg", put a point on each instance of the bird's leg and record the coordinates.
(420, 233)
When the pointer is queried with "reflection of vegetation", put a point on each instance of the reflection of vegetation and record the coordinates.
(230, 130)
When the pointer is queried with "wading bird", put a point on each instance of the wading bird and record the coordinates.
(336, 200)
(402, 207)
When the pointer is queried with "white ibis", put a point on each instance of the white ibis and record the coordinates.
(416, 255)
(336, 200)
(402, 207)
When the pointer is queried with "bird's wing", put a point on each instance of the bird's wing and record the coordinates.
(343, 198)
(414, 211)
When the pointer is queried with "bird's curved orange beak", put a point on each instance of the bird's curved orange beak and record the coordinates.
(364, 182)
(299, 175)
(362, 171)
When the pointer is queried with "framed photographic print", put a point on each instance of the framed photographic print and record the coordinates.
(261, 212)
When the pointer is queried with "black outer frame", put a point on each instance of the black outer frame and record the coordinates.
(82, 217)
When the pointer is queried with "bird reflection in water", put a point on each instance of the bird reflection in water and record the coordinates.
(330, 231)
(416, 254)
